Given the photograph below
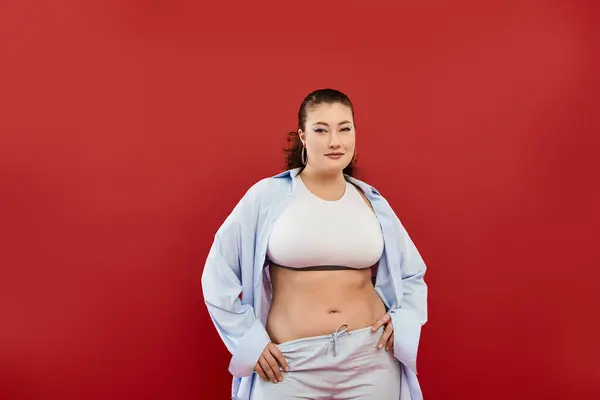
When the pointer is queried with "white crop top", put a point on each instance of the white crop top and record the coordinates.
(314, 232)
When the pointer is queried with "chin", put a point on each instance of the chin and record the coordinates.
(335, 166)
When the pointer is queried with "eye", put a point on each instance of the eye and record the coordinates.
(345, 129)
(319, 130)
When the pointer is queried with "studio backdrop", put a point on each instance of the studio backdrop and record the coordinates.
(130, 129)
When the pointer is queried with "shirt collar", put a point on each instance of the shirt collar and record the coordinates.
(366, 188)
(289, 173)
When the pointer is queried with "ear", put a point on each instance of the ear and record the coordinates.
(302, 136)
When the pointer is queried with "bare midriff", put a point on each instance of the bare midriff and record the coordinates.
(314, 303)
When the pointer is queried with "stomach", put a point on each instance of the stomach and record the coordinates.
(315, 303)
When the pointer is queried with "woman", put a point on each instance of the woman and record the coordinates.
(299, 248)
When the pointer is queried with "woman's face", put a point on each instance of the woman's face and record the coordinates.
(329, 137)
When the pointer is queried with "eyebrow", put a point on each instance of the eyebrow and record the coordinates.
(326, 124)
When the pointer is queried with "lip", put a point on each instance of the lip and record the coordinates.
(334, 154)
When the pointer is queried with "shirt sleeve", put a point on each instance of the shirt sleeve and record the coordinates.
(241, 331)
(411, 314)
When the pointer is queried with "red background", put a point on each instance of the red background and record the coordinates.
(129, 129)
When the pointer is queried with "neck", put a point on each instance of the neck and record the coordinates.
(321, 178)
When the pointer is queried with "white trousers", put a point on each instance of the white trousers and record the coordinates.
(341, 366)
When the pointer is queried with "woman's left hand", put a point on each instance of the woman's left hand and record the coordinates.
(387, 338)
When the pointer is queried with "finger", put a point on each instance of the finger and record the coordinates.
(390, 342)
(274, 366)
(267, 368)
(389, 329)
(269, 376)
(382, 321)
(279, 357)
(261, 373)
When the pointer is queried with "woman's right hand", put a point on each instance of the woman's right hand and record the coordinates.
(269, 362)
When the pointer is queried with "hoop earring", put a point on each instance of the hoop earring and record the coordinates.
(303, 156)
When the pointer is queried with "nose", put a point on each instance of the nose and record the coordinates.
(334, 142)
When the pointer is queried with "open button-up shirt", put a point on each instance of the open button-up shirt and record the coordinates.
(236, 266)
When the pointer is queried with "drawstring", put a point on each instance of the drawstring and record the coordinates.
(335, 335)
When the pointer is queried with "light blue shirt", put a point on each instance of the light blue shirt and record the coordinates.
(236, 265)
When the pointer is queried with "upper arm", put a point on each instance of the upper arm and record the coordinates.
(233, 240)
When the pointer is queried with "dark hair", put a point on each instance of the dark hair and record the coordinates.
(293, 154)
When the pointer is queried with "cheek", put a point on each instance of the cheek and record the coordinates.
(349, 142)
(316, 143)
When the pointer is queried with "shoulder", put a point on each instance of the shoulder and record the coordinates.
(376, 200)
(270, 185)
(268, 188)
(250, 207)
(369, 191)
